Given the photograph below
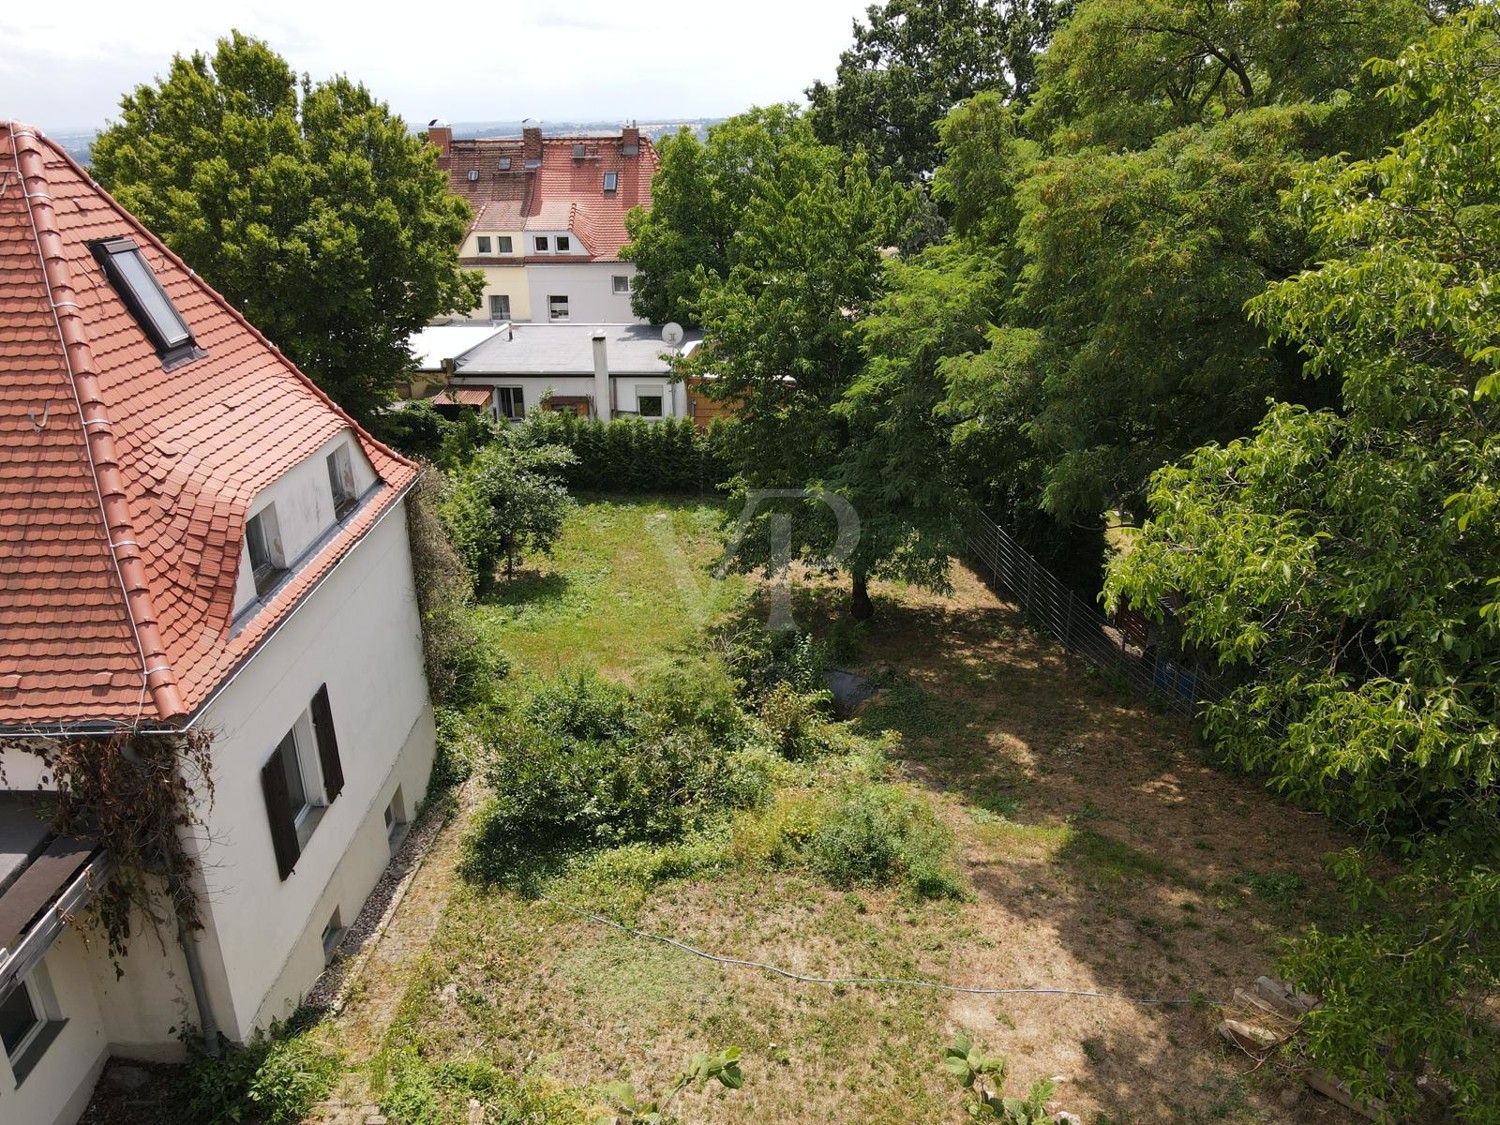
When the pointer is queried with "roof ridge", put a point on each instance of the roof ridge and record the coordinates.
(157, 673)
(222, 300)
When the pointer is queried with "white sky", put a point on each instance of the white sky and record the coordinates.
(64, 65)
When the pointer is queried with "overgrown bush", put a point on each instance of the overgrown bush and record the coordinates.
(863, 834)
(633, 454)
(584, 762)
(275, 1079)
(461, 669)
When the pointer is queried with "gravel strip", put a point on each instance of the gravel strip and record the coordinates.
(331, 991)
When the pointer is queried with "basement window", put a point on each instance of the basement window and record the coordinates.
(135, 282)
(611, 182)
(333, 934)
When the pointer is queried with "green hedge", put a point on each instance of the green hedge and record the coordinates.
(633, 454)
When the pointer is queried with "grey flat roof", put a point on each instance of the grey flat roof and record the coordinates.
(567, 349)
(24, 819)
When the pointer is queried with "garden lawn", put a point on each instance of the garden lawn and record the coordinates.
(1103, 856)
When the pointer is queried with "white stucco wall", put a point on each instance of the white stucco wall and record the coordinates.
(58, 1087)
(303, 497)
(359, 634)
(588, 287)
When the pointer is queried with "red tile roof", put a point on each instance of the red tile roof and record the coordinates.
(565, 193)
(123, 487)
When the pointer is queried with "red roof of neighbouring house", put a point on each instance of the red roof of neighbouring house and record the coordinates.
(124, 487)
(566, 192)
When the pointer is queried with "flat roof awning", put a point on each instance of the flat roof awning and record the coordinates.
(44, 880)
(462, 396)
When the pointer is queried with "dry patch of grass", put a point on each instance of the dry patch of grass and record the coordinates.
(1102, 853)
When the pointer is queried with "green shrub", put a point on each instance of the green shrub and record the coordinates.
(796, 722)
(588, 763)
(880, 834)
(274, 1079)
(633, 454)
(863, 834)
(420, 1092)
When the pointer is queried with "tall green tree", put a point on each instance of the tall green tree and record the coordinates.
(914, 60)
(1169, 131)
(782, 327)
(700, 192)
(1348, 560)
(307, 205)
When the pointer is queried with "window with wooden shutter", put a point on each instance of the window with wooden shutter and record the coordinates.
(328, 745)
(279, 812)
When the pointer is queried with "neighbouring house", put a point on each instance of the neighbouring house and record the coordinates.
(195, 543)
(435, 352)
(595, 370)
(549, 220)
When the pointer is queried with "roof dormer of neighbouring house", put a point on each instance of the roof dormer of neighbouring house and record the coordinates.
(144, 426)
(570, 195)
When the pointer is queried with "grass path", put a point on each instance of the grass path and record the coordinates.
(1102, 853)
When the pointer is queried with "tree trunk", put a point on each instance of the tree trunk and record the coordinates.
(860, 606)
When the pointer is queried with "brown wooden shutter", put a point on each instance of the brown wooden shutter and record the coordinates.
(279, 813)
(328, 745)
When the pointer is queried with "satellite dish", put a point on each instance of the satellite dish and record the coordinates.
(671, 334)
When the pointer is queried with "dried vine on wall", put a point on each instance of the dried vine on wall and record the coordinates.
(138, 794)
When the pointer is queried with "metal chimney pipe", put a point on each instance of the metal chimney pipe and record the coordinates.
(601, 377)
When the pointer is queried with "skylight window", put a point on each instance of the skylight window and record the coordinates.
(611, 182)
(148, 302)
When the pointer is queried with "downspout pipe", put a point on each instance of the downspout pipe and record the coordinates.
(199, 984)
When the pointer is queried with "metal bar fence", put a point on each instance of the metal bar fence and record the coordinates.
(1082, 629)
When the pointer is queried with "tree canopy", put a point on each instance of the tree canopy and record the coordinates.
(917, 59)
(1347, 560)
(308, 205)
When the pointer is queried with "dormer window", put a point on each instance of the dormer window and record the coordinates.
(263, 540)
(564, 244)
(611, 182)
(147, 301)
(341, 479)
(484, 244)
(541, 244)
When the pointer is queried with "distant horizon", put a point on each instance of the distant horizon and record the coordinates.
(66, 69)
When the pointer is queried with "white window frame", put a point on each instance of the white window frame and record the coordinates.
(556, 311)
(42, 999)
(341, 481)
(564, 244)
(650, 390)
(618, 289)
(504, 244)
(38, 1016)
(543, 246)
(262, 530)
(611, 182)
(482, 244)
(304, 743)
(513, 394)
(493, 297)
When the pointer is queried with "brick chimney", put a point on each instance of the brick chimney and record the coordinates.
(630, 140)
(440, 137)
(531, 145)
